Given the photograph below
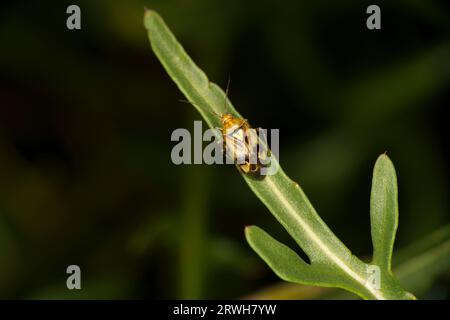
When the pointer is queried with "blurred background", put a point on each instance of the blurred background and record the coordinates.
(86, 118)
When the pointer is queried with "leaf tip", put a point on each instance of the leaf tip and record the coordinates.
(149, 14)
(248, 229)
(385, 161)
(383, 156)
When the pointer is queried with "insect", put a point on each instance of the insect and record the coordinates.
(241, 143)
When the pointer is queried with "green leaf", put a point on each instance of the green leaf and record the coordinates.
(206, 96)
(286, 264)
(333, 263)
(383, 212)
(283, 261)
(416, 267)
(420, 263)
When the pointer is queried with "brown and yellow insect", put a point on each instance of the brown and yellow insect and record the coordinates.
(241, 143)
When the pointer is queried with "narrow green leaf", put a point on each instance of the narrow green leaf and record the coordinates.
(206, 96)
(416, 267)
(286, 264)
(282, 196)
(383, 212)
(281, 259)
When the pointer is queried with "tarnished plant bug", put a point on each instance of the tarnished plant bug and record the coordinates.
(241, 143)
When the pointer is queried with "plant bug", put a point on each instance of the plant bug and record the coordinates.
(241, 143)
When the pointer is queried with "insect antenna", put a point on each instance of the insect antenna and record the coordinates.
(193, 103)
(227, 108)
(226, 93)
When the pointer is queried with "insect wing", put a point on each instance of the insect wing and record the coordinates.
(252, 140)
(236, 146)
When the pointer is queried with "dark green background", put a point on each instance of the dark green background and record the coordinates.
(86, 118)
